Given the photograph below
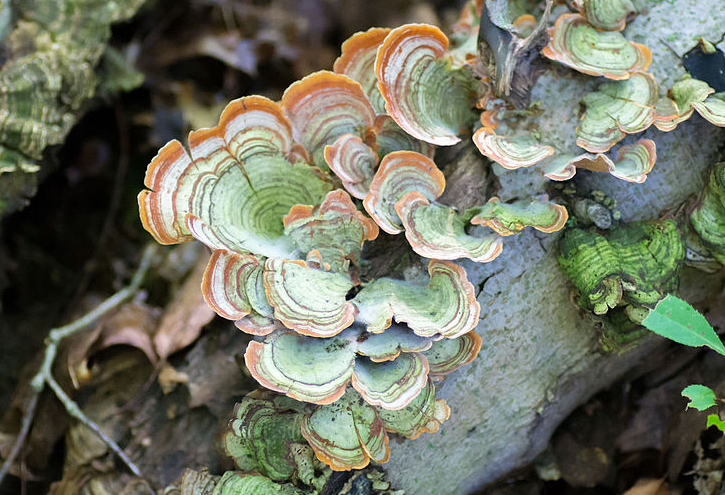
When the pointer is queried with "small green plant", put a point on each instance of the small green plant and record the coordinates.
(677, 320)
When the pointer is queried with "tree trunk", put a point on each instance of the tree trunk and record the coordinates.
(540, 357)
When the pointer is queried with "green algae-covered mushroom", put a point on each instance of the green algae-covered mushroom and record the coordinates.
(635, 263)
(447, 355)
(447, 306)
(576, 44)
(633, 162)
(615, 109)
(427, 97)
(238, 483)
(685, 94)
(235, 188)
(354, 162)
(264, 436)
(437, 231)
(425, 414)
(708, 216)
(231, 286)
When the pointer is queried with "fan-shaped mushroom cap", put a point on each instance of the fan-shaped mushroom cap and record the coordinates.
(617, 108)
(388, 345)
(261, 434)
(578, 45)
(712, 109)
(428, 98)
(229, 281)
(447, 306)
(249, 126)
(511, 218)
(322, 107)
(354, 162)
(708, 216)
(335, 229)
(438, 232)
(633, 161)
(297, 365)
(243, 158)
(306, 369)
(559, 166)
(685, 94)
(424, 414)
(447, 355)
(511, 152)
(347, 434)
(606, 15)
(391, 384)
(399, 173)
(309, 301)
(357, 62)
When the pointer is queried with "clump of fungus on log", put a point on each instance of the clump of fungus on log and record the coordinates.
(289, 196)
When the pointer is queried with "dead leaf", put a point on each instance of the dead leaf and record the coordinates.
(133, 325)
(649, 487)
(185, 316)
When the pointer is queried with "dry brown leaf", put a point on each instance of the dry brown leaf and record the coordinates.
(647, 486)
(133, 325)
(185, 316)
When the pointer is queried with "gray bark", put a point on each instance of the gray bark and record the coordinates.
(540, 358)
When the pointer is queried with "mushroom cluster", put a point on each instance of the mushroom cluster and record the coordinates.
(273, 191)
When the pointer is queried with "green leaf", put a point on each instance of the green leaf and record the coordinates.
(714, 419)
(701, 397)
(677, 320)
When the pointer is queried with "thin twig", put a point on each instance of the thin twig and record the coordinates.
(45, 377)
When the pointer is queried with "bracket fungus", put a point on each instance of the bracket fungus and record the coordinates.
(445, 307)
(399, 173)
(712, 109)
(322, 312)
(708, 216)
(388, 369)
(244, 158)
(615, 109)
(636, 263)
(335, 229)
(322, 107)
(606, 15)
(427, 97)
(510, 218)
(357, 61)
(437, 231)
(511, 152)
(264, 436)
(576, 44)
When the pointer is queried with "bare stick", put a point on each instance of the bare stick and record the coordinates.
(44, 375)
